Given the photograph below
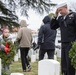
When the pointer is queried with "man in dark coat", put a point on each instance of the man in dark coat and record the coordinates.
(46, 39)
(67, 24)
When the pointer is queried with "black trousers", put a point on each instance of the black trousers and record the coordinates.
(24, 60)
(50, 53)
(67, 68)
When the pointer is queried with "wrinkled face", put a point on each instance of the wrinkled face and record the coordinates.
(6, 33)
(62, 10)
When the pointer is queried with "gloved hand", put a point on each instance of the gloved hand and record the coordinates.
(6, 50)
(36, 47)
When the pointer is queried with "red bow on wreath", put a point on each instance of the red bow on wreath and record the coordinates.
(6, 48)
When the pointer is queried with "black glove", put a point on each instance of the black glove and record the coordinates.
(36, 47)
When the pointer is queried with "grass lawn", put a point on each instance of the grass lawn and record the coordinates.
(17, 67)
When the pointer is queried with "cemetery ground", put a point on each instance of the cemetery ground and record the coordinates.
(17, 67)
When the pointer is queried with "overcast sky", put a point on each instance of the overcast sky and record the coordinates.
(35, 19)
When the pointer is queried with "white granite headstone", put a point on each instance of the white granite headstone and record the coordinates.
(31, 51)
(0, 66)
(16, 57)
(45, 56)
(55, 57)
(59, 53)
(17, 74)
(48, 67)
(37, 56)
(33, 58)
(19, 55)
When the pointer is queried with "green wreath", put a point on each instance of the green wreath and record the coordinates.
(7, 58)
(72, 54)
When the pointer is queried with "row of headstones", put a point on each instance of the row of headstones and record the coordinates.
(34, 55)
(45, 67)
(53, 66)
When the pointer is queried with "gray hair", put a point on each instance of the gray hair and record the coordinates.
(23, 23)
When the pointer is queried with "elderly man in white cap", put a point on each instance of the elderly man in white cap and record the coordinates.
(67, 23)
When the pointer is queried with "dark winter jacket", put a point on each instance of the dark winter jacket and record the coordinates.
(46, 36)
(67, 27)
